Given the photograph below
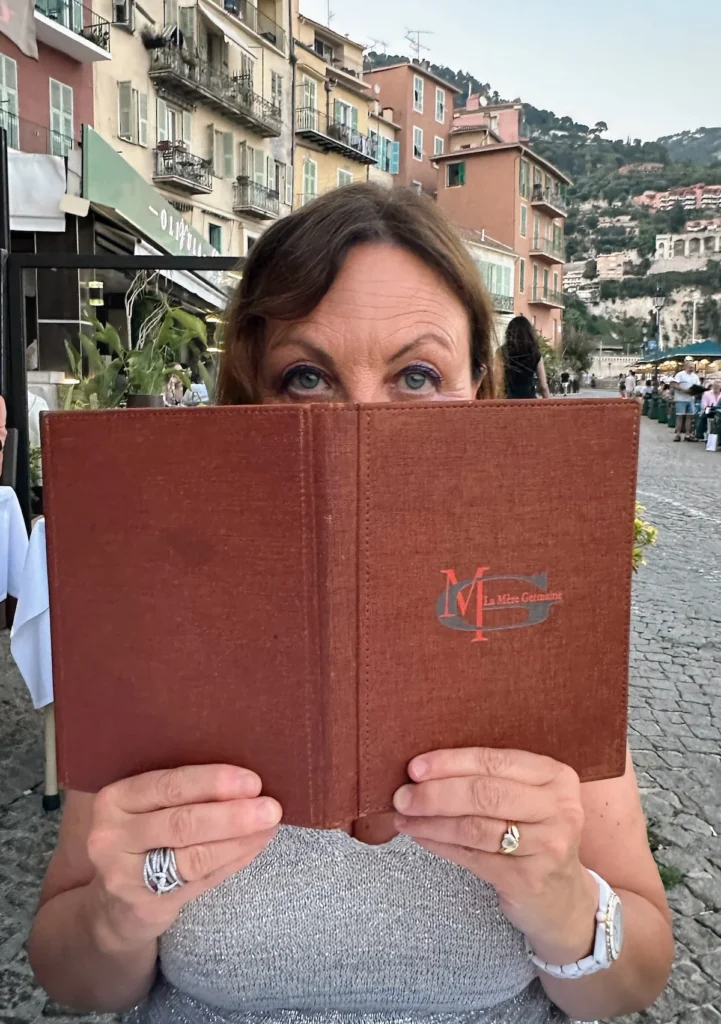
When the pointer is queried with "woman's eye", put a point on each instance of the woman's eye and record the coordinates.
(303, 378)
(420, 379)
(308, 380)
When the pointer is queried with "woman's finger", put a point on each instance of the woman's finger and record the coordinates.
(202, 862)
(514, 765)
(473, 833)
(194, 824)
(197, 784)
(477, 795)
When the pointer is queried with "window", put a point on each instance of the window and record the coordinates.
(437, 145)
(344, 177)
(555, 282)
(309, 101)
(521, 275)
(133, 114)
(9, 99)
(222, 153)
(323, 49)
(456, 175)
(124, 14)
(276, 90)
(173, 125)
(524, 181)
(440, 105)
(494, 123)
(535, 280)
(250, 241)
(536, 228)
(524, 220)
(545, 282)
(188, 27)
(417, 143)
(395, 158)
(344, 113)
(61, 118)
(254, 165)
(417, 186)
(215, 236)
(418, 94)
(310, 180)
(170, 11)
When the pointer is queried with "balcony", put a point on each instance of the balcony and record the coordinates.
(192, 79)
(546, 297)
(180, 170)
(73, 29)
(549, 200)
(545, 249)
(255, 200)
(331, 136)
(34, 138)
(257, 22)
(502, 303)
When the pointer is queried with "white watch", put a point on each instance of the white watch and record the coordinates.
(608, 943)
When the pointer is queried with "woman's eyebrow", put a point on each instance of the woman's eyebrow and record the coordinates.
(405, 349)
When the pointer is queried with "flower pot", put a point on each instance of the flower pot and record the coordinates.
(145, 401)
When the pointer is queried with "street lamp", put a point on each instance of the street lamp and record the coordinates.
(659, 301)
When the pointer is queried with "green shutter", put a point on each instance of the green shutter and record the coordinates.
(395, 158)
(354, 118)
(125, 110)
(462, 173)
(161, 121)
(228, 154)
(142, 98)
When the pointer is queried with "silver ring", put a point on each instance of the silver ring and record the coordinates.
(160, 872)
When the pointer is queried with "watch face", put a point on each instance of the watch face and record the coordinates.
(616, 929)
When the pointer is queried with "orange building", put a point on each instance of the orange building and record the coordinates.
(422, 105)
(517, 197)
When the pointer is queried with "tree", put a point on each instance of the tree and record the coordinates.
(590, 271)
(577, 349)
(676, 219)
(599, 128)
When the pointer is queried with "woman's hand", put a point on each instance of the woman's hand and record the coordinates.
(212, 816)
(460, 806)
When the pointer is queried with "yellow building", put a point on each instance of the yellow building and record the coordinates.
(198, 99)
(332, 141)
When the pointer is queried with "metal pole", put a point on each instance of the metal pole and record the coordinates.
(4, 251)
(693, 326)
(17, 382)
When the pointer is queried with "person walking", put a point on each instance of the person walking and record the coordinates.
(523, 368)
(622, 385)
(684, 397)
(630, 385)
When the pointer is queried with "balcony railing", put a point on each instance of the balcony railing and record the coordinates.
(332, 136)
(502, 303)
(181, 72)
(254, 199)
(552, 199)
(180, 169)
(257, 22)
(79, 19)
(34, 138)
(547, 247)
(547, 297)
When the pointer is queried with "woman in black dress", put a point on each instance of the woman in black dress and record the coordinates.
(523, 366)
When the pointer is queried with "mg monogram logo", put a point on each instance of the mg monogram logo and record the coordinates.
(473, 605)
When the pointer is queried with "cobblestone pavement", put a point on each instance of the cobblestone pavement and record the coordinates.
(675, 725)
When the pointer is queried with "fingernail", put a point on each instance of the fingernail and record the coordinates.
(418, 768)
(268, 812)
(248, 784)
(402, 798)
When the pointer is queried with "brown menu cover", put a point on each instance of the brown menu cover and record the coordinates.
(319, 593)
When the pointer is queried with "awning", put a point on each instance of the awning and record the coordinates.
(186, 279)
(36, 185)
(224, 25)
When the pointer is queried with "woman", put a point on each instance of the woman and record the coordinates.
(522, 361)
(361, 296)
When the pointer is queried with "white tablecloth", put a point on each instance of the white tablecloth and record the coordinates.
(30, 637)
(13, 543)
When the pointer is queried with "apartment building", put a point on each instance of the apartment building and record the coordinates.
(422, 107)
(518, 198)
(44, 102)
(694, 197)
(689, 244)
(198, 101)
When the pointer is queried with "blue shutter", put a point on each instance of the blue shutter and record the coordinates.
(395, 158)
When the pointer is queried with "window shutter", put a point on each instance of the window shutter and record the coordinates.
(187, 128)
(270, 173)
(211, 149)
(187, 27)
(259, 169)
(462, 174)
(228, 155)
(243, 160)
(336, 112)
(142, 98)
(289, 185)
(395, 158)
(354, 118)
(125, 110)
(171, 12)
(161, 121)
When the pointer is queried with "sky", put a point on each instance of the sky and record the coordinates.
(642, 66)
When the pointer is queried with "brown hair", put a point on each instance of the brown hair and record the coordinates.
(294, 263)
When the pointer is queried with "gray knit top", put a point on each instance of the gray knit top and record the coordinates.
(323, 929)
